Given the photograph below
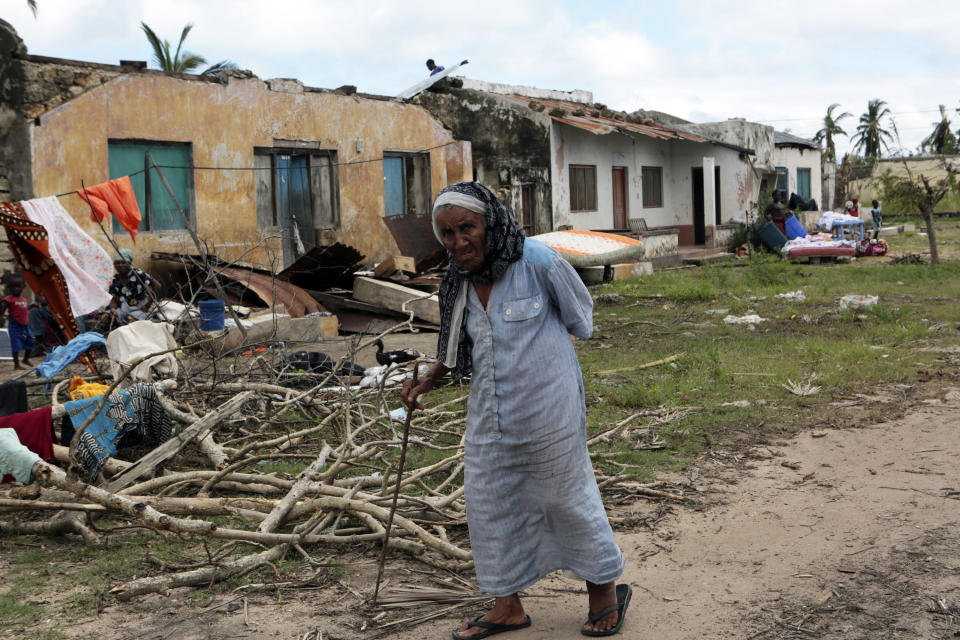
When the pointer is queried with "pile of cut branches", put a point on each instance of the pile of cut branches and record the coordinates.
(271, 469)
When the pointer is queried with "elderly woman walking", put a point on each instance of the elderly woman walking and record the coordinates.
(508, 304)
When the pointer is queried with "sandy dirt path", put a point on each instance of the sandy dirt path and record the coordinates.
(822, 517)
(834, 534)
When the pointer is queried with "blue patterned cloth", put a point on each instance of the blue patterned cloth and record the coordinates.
(136, 410)
(533, 505)
(58, 359)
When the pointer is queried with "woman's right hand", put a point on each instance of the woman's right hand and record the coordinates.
(410, 391)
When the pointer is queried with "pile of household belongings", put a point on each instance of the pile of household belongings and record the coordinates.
(797, 243)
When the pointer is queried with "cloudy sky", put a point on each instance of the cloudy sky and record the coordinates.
(774, 61)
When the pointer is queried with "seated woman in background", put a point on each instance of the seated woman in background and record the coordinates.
(133, 291)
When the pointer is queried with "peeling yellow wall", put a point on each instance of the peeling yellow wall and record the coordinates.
(224, 123)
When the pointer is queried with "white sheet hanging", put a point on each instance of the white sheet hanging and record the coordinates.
(86, 267)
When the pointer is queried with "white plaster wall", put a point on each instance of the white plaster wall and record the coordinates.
(737, 183)
(793, 158)
(569, 145)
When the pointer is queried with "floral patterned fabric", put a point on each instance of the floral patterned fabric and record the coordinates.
(86, 267)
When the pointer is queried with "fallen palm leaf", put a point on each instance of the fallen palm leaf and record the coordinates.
(803, 388)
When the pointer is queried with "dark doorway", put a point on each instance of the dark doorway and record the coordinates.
(699, 217)
(716, 192)
(619, 197)
(526, 208)
(699, 229)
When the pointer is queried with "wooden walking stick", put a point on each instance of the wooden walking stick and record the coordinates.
(396, 489)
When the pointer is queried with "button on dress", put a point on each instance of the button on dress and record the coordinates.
(533, 505)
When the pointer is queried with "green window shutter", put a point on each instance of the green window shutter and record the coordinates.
(783, 181)
(164, 213)
(803, 183)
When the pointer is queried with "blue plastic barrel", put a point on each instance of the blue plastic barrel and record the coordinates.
(211, 314)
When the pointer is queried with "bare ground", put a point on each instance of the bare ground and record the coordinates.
(847, 533)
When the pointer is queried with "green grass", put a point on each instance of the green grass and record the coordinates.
(669, 313)
(656, 317)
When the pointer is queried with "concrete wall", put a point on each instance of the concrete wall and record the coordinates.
(794, 158)
(510, 145)
(739, 132)
(867, 189)
(577, 95)
(570, 145)
(224, 121)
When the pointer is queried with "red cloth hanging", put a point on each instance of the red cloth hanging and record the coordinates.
(116, 197)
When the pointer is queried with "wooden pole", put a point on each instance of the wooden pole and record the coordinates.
(396, 488)
(196, 241)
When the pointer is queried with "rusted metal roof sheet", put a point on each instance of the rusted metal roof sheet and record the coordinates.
(272, 291)
(600, 125)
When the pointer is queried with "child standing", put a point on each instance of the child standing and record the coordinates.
(877, 218)
(15, 305)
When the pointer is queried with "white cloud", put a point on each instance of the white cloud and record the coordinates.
(773, 59)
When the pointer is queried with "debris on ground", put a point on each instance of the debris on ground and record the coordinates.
(857, 303)
(747, 319)
(797, 295)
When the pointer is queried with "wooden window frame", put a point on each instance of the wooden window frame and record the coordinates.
(648, 204)
(410, 208)
(573, 205)
(311, 151)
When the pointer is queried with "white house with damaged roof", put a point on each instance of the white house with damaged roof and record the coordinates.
(564, 161)
(782, 161)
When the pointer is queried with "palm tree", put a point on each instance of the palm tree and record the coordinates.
(871, 136)
(180, 63)
(33, 7)
(831, 128)
(941, 136)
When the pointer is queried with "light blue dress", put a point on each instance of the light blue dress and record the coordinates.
(533, 505)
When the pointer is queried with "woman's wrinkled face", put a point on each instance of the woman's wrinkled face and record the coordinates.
(464, 235)
(122, 268)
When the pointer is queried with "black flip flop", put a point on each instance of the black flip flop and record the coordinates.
(623, 601)
(492, 628)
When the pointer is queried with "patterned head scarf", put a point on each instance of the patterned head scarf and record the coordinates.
(124, 255)
(504, 245)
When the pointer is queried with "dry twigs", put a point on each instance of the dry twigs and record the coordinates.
(276, 463)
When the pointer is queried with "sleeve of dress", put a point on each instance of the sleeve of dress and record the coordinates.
(571, 297)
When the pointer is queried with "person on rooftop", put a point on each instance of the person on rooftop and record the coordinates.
(433, 67)
(508, 305)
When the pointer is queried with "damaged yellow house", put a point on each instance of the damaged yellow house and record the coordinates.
(264, 169)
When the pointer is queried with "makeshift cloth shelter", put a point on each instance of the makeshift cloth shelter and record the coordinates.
(30, 247)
